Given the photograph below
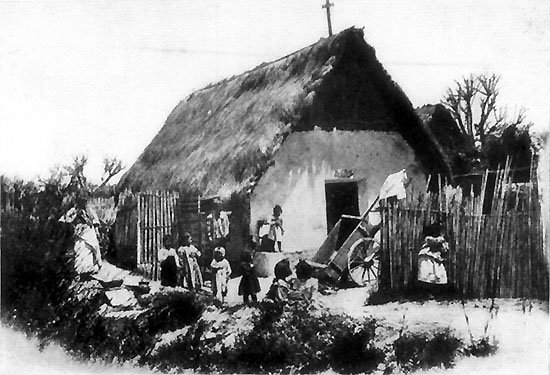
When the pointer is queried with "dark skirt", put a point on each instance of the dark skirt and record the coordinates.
(169, 272)
(267, 245)
(249, 284)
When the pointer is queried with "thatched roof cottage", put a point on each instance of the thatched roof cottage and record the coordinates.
(316, 132)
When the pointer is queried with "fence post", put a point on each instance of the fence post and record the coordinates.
(138, 234)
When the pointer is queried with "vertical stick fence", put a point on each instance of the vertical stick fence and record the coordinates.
(492, 254)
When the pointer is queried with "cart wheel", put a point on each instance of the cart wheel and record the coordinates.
(363, 261)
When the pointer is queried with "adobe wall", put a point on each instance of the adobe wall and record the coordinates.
(307, 159)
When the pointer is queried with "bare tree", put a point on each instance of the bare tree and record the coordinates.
(111, 167)
(76, 169)
(56, 176)
(473, 104)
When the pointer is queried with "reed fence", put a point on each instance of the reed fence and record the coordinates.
(496, 253)
(145, 218)
(125, 229)
(156, 218)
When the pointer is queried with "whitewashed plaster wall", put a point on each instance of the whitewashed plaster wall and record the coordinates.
(307, 159)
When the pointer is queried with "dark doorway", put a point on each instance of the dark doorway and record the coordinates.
(342, 199)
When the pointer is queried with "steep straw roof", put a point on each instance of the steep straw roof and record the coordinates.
(438, 121)
(223, 137)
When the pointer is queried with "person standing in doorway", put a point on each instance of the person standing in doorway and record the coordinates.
(276, 230)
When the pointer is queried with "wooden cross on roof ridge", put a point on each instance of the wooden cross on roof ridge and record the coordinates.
(327, 6)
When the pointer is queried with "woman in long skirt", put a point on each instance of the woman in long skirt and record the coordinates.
(192, 254)
(169, 263)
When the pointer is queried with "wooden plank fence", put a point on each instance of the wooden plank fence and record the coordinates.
(144, 218)
(125, 229)
(156, 218)
(496, 254)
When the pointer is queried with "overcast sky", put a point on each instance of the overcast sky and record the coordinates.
(101, 76)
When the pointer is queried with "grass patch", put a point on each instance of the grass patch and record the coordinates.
(481, 348)
(426, 349)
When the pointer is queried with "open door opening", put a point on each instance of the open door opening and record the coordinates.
(342, 198)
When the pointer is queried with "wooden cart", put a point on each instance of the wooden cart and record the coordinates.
(350, 246)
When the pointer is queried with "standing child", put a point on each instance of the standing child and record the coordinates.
(184, 271)
(221, 272)
(431, 269)
(193, 254)
(276, 230)
(249, 284)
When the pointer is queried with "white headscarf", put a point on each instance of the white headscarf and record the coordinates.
(220, 250)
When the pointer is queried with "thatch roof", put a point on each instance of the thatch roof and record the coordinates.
(440, 122)
(456, 147)
(223, 137)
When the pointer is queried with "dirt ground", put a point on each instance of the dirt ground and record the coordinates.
(523, 336)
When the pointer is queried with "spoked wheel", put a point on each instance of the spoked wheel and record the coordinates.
(364, 261)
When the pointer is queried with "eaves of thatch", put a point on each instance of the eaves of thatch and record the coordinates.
(223, 137)
(439, 122)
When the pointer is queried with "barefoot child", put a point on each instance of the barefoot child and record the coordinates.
(221, 271)
(276, 230)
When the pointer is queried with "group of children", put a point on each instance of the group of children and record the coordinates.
(181, 268)
(302, 286)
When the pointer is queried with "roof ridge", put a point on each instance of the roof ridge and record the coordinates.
(264, 64)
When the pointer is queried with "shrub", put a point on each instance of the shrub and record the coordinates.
(426, 349)
(292, 338)
(36, 268)
(173, 310)
(481, 348)
(305, 339)
(42, 293)
(353, 351)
